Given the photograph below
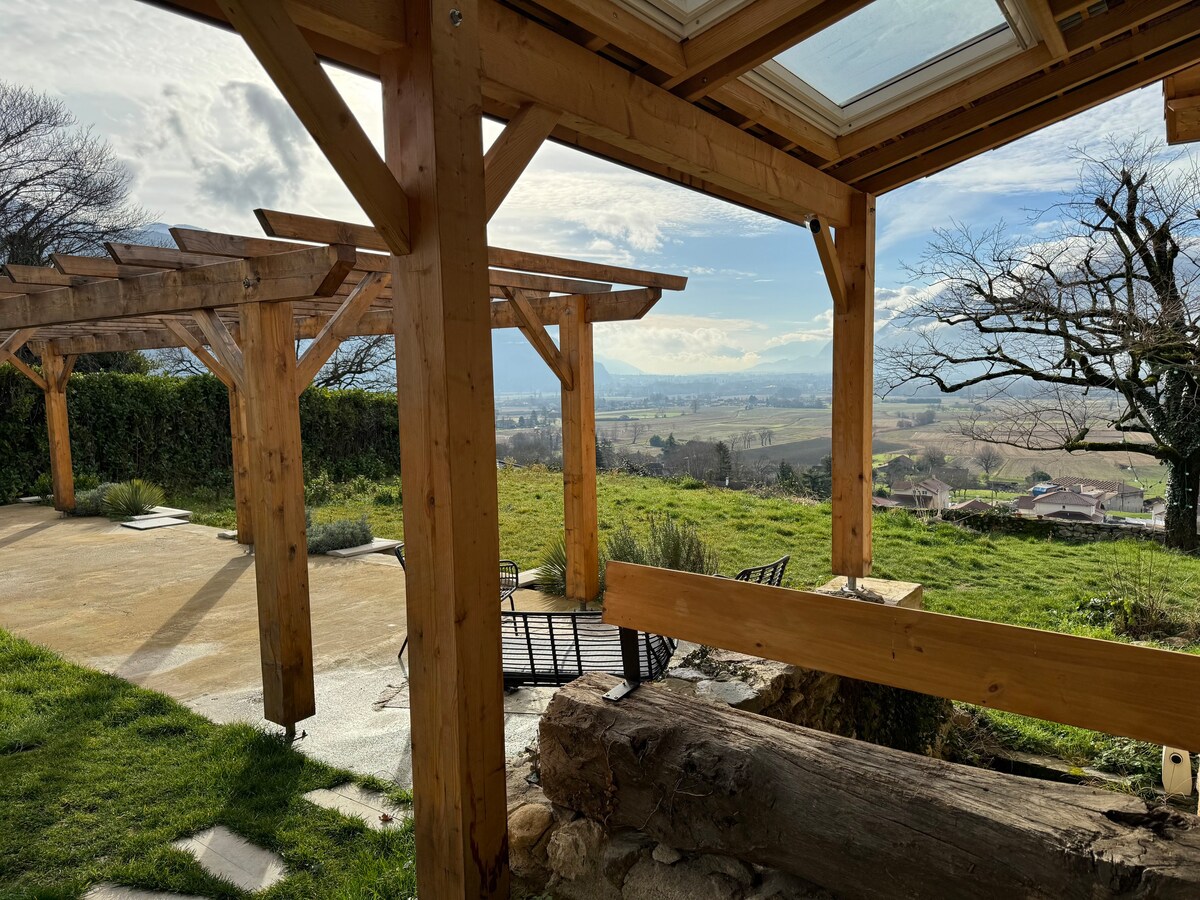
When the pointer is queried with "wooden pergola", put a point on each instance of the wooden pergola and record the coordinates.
(686, 91)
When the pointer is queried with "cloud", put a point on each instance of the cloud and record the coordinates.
(682, 344)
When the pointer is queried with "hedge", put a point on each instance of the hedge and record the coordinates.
(175, 431)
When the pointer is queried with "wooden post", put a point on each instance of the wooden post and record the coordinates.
(241, 467)
(55, 374)
(431, 102)
(580, 515)
(277, 497)
(853, 383)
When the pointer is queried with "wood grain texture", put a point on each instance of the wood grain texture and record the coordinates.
(340, 326)
(857, 819)
(580, 511)
(1115, 688)
(853, 387)
(243, 496)
(432, 131)
(535, 332)
(289, 61)
(58, 430)
(513, 150)
(276, 475)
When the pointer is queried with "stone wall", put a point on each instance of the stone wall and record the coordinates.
(1079, 532)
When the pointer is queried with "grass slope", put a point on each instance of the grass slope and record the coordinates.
(97, 777)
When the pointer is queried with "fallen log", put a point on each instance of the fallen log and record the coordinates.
(858, 819)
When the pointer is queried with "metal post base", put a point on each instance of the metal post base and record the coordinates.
(624, 689)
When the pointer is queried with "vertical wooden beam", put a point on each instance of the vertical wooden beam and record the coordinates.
(241, 466)
(431, 112)
(54, 370)
(580, 515)
(277, 496)
(853, 384)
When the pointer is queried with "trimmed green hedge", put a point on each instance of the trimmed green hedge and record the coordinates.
(175, 431)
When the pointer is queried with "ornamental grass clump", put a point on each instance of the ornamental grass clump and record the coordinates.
(132, 498)
(339, 535)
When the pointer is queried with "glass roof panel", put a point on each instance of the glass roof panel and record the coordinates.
(885, 40)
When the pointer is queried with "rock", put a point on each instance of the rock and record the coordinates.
(668, 856)
(529, 832)
(687, 880)
(621, 853)
(716, 863)
(777, 885)
(574, 849)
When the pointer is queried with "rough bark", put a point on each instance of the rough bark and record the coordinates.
(1183, 490)
(857, 819)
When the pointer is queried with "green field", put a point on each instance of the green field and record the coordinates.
(1022, 581)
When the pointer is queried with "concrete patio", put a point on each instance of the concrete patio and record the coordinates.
(174, 610)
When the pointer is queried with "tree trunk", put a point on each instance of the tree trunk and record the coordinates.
(1183, 490)
(857, 819)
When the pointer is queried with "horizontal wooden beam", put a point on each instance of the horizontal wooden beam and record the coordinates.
(1055, 85)
(1115, 688)
(525, 62)
(285, 276)
(1097, 29)
(310, 228)
(290, 62)
(156, 257)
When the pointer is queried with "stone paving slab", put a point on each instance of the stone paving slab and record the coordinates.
(120, 892)
(356, 802)
(224, 854)
(153, 523)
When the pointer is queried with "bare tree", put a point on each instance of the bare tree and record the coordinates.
(61, 188)
(363, 362)
(636, 429)
(990, 459)
(1105, 305)
(765, 437)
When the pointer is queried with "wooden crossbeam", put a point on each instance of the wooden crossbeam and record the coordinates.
(8, 354)
(340, 324)
(156, 257)
(1033, 94)
(223, 346)
(197, 348)
(284, 276)
(1095, 30)
(535, 332)
(512, 151)
(1047, 27)
(238, 246)
(1085, 97)
(310, 228)
(99, 266)
(1135, 692)
(287, 58)
(752, 35)
(43, 276)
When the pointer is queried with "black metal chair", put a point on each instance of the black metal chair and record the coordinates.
(509, 582)
(771, 573)
(551, 649)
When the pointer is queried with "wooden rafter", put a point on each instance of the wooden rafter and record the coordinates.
(1045, 96)
(512, 151)
(750, 36)
(301, 273)
(535, 332)
(309, 228)
(1047, 26)
(340, 324)
(289, 61)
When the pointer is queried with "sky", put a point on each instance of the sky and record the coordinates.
(208, 138)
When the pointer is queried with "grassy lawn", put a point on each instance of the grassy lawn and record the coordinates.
(97, 777)
(1018, 580)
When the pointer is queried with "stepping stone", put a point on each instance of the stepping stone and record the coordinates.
(29, 499)
(227, 535)
(161, 512)
(119, 892)
(378, 545)
(149, 524)
(223, 854)
(357, 802)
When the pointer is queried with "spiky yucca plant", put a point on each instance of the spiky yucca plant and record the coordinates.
(132, 498)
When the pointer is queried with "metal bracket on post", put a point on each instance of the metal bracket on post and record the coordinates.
(631, 666)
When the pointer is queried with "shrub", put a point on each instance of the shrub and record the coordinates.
(318, 489)
(552, 569)
(1145, 590)
(132, 498)
(678, 546)
(623, 546)
(44, 485)
(91, 503)
(338, 535)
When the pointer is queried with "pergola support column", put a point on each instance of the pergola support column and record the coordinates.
(431, 111)
(241, 466)
(853, 384)
(55, 372)
(272, 418)
(580, 513)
